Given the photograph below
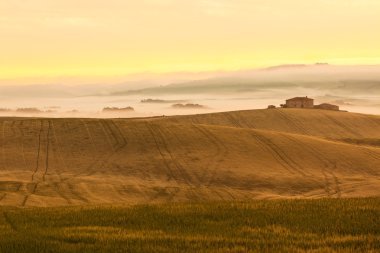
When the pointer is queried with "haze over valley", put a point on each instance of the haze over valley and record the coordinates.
(353, 88)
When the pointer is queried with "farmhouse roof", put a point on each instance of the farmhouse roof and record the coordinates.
(299, 98)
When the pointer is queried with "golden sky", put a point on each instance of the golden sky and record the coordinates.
(117, 37)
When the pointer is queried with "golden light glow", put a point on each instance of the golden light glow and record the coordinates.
(117, 37)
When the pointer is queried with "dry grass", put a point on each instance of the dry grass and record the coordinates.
(226, 156)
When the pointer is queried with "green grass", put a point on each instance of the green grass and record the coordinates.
(328, 225)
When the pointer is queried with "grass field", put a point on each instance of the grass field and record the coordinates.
(257, 154)
(324, 225)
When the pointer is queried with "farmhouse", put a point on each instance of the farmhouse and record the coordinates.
(326, 106)
(300, 102)
(305, 102)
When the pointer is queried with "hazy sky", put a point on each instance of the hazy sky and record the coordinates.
(114, 37)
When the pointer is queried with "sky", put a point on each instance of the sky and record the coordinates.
(45, 38)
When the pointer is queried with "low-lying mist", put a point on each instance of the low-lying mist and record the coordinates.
(354, 88)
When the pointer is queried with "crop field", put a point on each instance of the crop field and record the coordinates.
(257, 154)
(324, 225)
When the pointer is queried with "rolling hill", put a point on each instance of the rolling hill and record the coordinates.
(282, 153)
(320, 123)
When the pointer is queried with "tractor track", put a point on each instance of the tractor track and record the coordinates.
(108, 128)
(114, 131)
(179, 144)
(88, 133)
(76, 194)
(168, 159)
(247, 124)
(338, 190)
(295, 123)
(233, 120)
(326, 169)
(178, 165)
(286, 162)
(47, 152)
(51, 140)
(22, 143)
(2, 144)
(17, 141)
(62, 181)
(38, 151)
(103, 159)
(179, 168)
(39, 156)
(119, 139)
(94, 148)
(222, 152)
(170, 174)
(123, 142)
(371, 153)
(344, 127)
(101, 122)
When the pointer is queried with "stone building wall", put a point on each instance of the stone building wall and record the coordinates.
(300, 103)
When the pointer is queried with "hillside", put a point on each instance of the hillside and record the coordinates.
(312, 122)
(235, 155)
